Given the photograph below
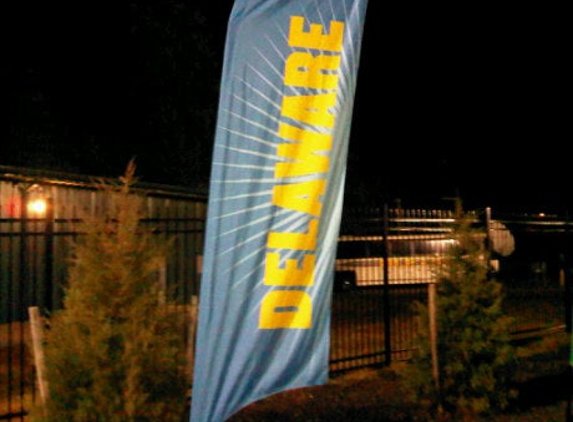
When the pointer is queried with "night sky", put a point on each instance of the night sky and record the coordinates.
(465, 100)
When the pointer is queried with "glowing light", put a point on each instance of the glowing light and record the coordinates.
(37, 206)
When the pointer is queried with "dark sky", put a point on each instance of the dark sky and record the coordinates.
(468, 99)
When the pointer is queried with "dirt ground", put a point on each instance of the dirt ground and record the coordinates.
(360, 395)
(376, 395)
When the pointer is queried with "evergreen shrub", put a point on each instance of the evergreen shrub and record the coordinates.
(475, 360)
(115, 352)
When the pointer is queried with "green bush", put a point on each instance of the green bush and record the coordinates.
(115, 352)
(475, 360)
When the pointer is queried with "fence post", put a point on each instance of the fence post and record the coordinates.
(23, 271)
(488, 229)
(37, 333)
(488, 241)
(566, 276)
(193, 315)
(386, 297)
(49, 256)
(433, 334)
(162, 273)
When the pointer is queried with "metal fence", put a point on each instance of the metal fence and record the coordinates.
(371, 324)
(40, 216)
(390, 263)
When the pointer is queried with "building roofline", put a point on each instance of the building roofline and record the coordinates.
(56, 178)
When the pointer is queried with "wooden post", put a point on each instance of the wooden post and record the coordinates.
(192, 329)
(37, 332)
(433, 334)
(162, 273)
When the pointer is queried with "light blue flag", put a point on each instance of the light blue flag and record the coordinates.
(275, 200)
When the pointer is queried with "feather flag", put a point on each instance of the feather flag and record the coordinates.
(275, 200)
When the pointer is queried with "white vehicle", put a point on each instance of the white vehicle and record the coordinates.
(412, 259)
(414, 255)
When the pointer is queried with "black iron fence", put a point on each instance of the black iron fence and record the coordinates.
(387, 257)
(39, 219)
(384, 268)
(368, 329)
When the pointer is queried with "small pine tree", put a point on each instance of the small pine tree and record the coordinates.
(476, 361)
(114, 353)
